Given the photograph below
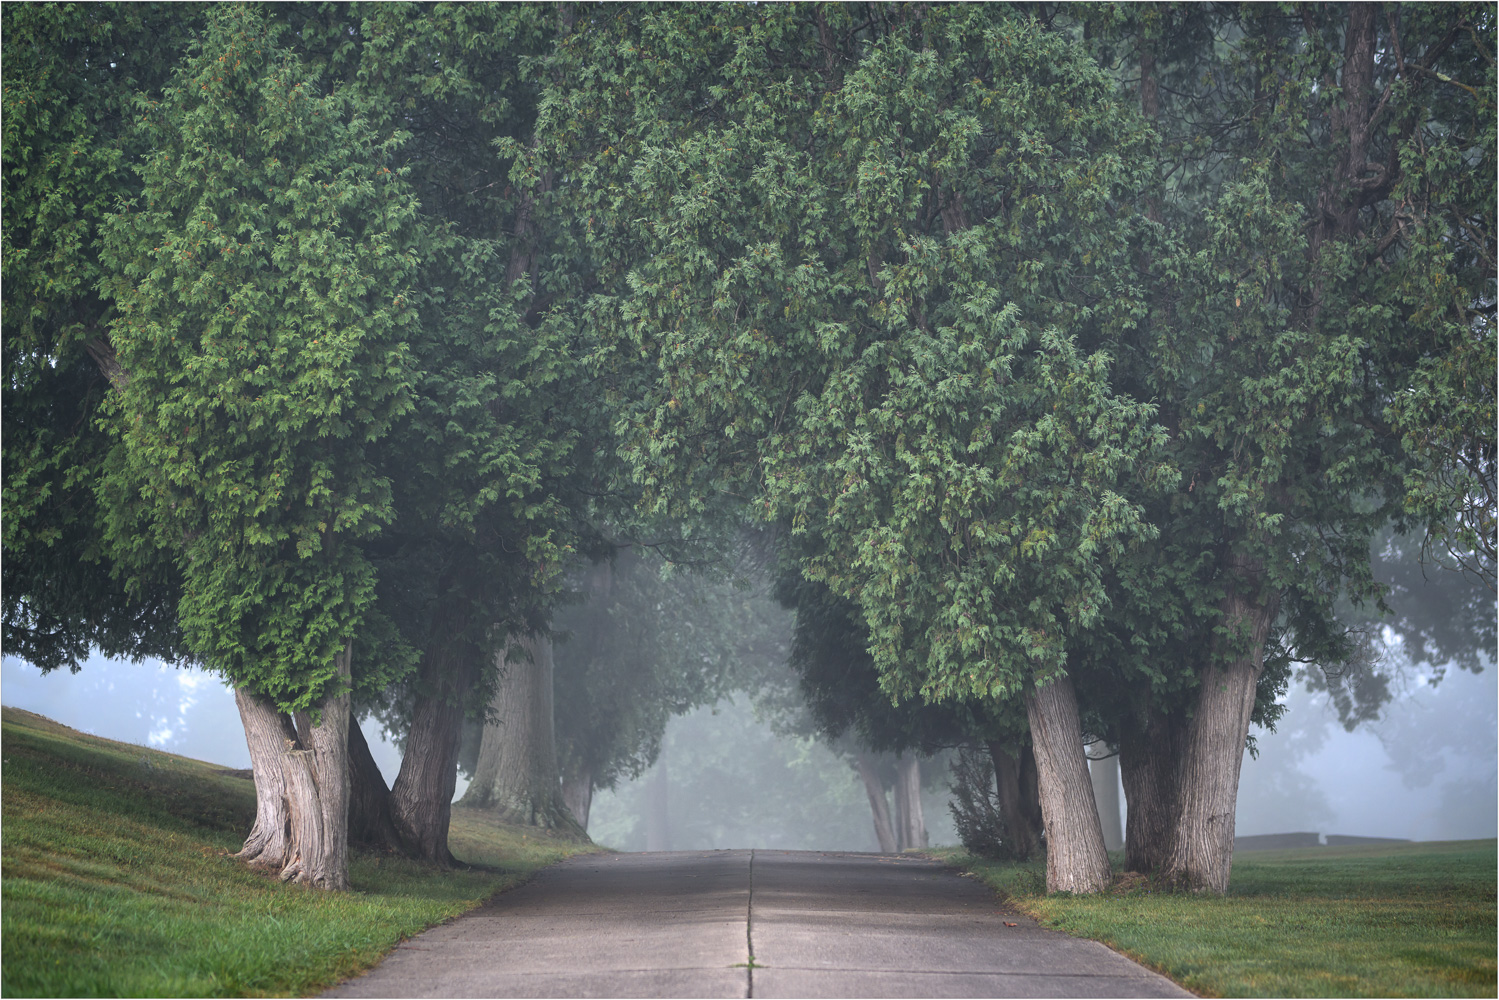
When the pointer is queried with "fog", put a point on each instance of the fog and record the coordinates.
(1426, 770)
(732, 783)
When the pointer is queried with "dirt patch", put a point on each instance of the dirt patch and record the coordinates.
(1131, 884)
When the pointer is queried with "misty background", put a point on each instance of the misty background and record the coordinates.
(1424, 770)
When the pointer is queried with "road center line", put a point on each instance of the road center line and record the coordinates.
(749, 926)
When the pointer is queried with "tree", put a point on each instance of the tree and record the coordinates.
(1299, 311)
(499, 454)
(262, 339)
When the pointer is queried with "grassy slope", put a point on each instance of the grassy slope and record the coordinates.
(1397, 920)
(117, 880)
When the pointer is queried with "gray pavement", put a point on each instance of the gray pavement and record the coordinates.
(686, 924)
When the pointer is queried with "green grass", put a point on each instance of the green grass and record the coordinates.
(117, 880)
(1388, 920)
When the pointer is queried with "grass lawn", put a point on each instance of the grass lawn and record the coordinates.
(117, 881)
(1415, 920)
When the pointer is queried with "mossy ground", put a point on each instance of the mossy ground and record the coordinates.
(1388, 920)
(117, 879)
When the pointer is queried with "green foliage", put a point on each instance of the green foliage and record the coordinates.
(839, 696)
(262, 333)
(70, 76)
(1404, 920)
(1296, 301)
(975, 806)
(876, 297)
(497, 457)
(117, 881)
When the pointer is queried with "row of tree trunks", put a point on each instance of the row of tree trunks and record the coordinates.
(318, 788)
(301, 786)
(900, 823)
(517, 775)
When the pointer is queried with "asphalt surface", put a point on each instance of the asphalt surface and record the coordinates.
(686, 925)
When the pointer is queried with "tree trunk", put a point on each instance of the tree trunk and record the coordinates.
(1075, 857)
(1202, 846)
(1149, 756)
(305, 845)
(517, 773)
(267, 732)
(301, 787)
(1348, 190)
(577, 793)
(421, 799)
(910, 822)
(370, 822)
(657, 804)
(1105, 775)
(1019, 807)
(326, 739)
(1030, 793)
(875, 789)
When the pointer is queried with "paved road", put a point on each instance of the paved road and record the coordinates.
(686, 925)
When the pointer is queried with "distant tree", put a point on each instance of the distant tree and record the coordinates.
(1436, 619)
(842, 702)
(646, 643)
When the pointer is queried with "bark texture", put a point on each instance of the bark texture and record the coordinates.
(267, 733)
(1075, 858)
(329, 745)
(910, 822)
(421, 799)
(1202, 843)
(884, 831)
(1105, 775)
(301, 787)
(1149, 756)
(517, 772)
(1017, 789)
(305, 845)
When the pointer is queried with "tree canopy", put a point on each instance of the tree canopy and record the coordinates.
(1080, 356)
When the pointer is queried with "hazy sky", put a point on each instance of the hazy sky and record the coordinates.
(1426, 771)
